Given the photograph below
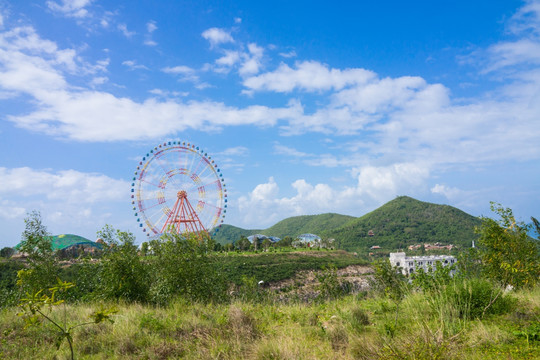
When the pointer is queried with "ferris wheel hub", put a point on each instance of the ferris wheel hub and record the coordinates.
(182, 194)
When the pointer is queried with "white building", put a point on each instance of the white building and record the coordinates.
(411, 264)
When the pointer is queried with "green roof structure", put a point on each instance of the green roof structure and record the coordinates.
(64, 241)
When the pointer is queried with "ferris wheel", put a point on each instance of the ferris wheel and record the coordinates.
(178, 188)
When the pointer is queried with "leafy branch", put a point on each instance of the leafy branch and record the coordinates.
(38, 305)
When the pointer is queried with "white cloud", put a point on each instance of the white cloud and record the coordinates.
(249, 63)
(235, 151)
(132, 65)
(123, 28)
(229, 59)
(69, 201)
(384, 183)
(70, 8)
(217, 36)
(68, 186)
(252, 60)
(181, 69)
(166, 93)
(308, 76)
(288, 151)
(523, 51)
(151, 26)
(10, 210)
(289, 54)
(450, 193)
(99, 81)
(100, 116)
(31, 66)
(375, 185)
(527, 18)
(185, 73)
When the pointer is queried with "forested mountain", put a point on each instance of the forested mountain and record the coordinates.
(397, 224)
(405, 221)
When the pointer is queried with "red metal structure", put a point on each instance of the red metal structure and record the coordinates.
(183, 218)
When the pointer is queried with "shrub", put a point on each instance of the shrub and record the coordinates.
(184, 266)
(508, 254)
(359, 318)
(474, 298)
(329, 285)
(250, 290)
(122, 274)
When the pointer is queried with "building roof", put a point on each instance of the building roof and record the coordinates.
(64, 241)
(308, 237)
(262, 237)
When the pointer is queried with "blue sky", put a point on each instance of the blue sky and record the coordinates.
(307, 107)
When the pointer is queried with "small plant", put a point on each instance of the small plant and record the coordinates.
(251, 290)
(329, 285)
(359, 318)
(390, 282)
(38, 306)
(531, 333)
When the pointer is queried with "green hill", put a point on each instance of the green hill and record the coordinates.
(405, 221)
(314, 224)
(229, 233)
(292, 226)
(397, 224)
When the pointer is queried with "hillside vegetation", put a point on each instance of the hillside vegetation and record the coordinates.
(292, 226)
(314, 224)
(395, 225)
(405, 221)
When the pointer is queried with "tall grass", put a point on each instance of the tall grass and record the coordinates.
(351, 327)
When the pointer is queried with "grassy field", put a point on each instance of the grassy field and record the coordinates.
(360, 326)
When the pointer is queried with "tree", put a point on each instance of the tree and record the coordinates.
(123, 274)
(508, 254)
(243, 244)
(6, 252)
(536, 225)
(144, 248)
(218, 247)
(43, 268)
(266, 244)
(285, 242)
